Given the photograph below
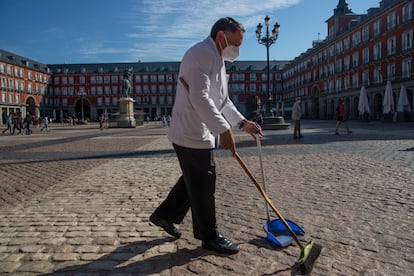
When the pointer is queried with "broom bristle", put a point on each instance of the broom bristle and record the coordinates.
(308, 257)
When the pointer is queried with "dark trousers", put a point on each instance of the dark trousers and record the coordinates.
(194, 189)
(296, 130)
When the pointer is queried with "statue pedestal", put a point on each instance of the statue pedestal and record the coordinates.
(126, 116)
(274, 123)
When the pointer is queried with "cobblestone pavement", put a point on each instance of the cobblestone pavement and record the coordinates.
(76, 201)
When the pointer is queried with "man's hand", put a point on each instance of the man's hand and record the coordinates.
(227, 141)
(253, 129)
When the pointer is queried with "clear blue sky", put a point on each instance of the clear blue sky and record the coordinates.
(95, 31)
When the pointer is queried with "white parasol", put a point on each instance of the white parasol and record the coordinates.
(388, 103)
(363, 105)
(403, 104)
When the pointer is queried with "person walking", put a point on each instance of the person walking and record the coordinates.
(9, 122)
(341, 117)
(202, 115)
(296, 114)
(45, 124)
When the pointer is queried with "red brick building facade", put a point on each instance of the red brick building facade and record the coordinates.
(360, 50)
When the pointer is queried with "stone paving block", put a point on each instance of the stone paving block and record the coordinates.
(61, 257)
(9, 267)
(35, 267)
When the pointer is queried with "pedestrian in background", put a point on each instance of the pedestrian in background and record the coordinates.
(9, 122)
(203, 114)
(296, 115)
(45, 124)
(341, 117)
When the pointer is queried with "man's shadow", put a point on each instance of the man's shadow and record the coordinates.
(108, 264)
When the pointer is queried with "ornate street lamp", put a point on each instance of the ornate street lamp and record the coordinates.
(82, 94)
(267, 41)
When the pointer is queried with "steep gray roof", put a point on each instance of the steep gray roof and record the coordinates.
(15, 59)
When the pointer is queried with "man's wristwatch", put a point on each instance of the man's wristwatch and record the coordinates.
(242, 123)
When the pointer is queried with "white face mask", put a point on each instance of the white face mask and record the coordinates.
(231, 52)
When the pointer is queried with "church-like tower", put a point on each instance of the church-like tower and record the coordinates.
(340, 20)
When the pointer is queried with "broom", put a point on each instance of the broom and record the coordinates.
(309, 252)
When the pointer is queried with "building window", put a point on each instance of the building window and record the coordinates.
(355, 59)
(365, 33)
(338, 85)
(378, 75)
(391, 46)
(347, 44)
(162, 89)
(377, 27)
(252, 87)
(355, 80)
(339, 47)
(391, 71)
(365, 77)
(153, 78)
(253, 77)
(407, 12)
(107, 79)
(406, 68)
(114, 79)
(391, 20)
(407, 40)
(153, 89)
(331, 69)
(346, 63)
(107, 90)
(365, 55)
(356, 38)
(169, 89)
(137, 78)
(377, 51)
(145, 89)
(161, 78)
(114, 90)
(331, 50)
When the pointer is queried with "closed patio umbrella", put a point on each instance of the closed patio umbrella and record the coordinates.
(403, 104)
(388, 102)
(363, 105)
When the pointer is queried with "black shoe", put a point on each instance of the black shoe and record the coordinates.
(295, 137)
(221, 245)
(301, 136)
(164, 224)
